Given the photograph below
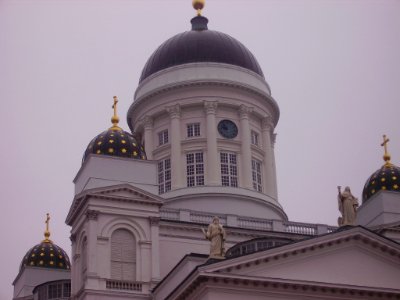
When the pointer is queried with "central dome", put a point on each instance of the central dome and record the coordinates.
(200, 45)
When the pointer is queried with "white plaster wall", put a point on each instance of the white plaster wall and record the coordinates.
(102, 170)
(382, 208)
(33, 276)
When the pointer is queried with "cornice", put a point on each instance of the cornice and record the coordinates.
(204, 83)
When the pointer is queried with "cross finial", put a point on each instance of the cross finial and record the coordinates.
(386, 156)
(115, 118)
(47, 231)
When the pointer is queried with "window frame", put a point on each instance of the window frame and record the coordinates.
(229, 169)
(164, 172)
(163, 137)
(256, 175)
(193, 130)
(195, 169)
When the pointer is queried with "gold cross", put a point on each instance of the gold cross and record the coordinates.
(47, 221)
(115, 118)
(386, 156)
(47, 232)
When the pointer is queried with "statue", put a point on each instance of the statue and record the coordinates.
(347, 206)
(216, 235)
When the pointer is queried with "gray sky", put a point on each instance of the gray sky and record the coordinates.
(333, 67)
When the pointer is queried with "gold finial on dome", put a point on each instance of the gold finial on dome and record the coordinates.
(115, 118)
(386, 156)
(47, 232)
(198, 5)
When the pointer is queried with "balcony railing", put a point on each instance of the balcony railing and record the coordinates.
(123, 285)
(246, 222)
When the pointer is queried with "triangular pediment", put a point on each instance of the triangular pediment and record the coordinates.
(124, 191)
(356, 257)
(121, 192)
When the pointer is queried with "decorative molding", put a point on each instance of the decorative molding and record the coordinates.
(267, 123)
(210, 107)
(154, 221)
(102, 238)
(174, 111)
(73, 237)
(244, 111)
(148, 122)
(92, 214)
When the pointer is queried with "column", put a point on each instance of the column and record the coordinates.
(268, 139)
(213, 170)
(91, 250)
(148, 136)
(175, 140)
(246, 176)
(155, 249)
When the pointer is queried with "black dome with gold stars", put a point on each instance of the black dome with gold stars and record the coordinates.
(386, 178)
(115, 142)
(46, 254)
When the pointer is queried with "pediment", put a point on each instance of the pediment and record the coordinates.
(124, 191)
(357, 258)
(121, 192)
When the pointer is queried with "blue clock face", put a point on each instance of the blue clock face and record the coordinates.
(227, 129)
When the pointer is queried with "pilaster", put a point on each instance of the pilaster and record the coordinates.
(148, 136)
(246, 176)
(213, 170)
(175, 134)
(268, 140)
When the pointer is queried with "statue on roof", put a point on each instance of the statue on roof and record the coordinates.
(216, 235)
(347, 206)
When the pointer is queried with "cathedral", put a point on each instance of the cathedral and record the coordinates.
(184, 203)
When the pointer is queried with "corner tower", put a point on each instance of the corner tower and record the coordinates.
(206, 115)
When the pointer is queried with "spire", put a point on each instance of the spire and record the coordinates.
(47, 232)
(198, 5)
(115, 118)
(386, 156)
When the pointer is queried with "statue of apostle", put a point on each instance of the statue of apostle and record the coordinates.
(347, 206)
(216, 235)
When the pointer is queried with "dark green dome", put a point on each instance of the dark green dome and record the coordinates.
(46, 255)
(386, 178)
(115, 142)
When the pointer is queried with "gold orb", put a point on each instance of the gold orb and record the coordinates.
(198, 4)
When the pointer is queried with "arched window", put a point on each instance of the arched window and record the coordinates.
(123, 255)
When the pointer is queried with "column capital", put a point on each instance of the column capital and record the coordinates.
(267, 123)
(148, 122)
(210, 107)
(154, 221)
(72, 237)
(174, 111)
(92, 214)
(244, 111)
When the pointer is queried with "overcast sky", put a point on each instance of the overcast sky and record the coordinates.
(333, 67)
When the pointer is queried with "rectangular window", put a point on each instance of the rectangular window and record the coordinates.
(194, 169)
(54, 291)
(193, 130)
(164, 176)
(254, 138)
(256, 174)
(229, 172)
(163, 137)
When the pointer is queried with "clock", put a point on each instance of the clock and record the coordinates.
(227, 129)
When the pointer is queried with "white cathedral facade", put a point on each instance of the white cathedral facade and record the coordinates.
(203, 122)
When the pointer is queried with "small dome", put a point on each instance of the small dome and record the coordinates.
(115, 142)
(46, 255)
(386, 178)
(200, 45)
